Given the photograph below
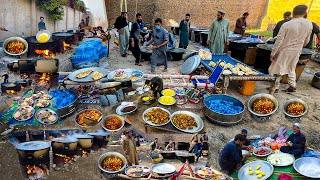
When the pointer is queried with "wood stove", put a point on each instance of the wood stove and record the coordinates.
(64, 41)
(37, 49)
(45, 80)
(10, 88)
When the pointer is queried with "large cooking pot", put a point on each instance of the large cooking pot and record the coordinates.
(70, 108)
(85, 140)
(5, 43)
(64, 145)
(219, 118)
(262, 96)
(316, 80)
(33, 152)
(111, 154)
(101, 138)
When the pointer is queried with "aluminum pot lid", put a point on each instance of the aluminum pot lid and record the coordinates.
(65, 139)
(82, 136)
(62, 34)
(177, 50)
(190, 65)
(33, 146)
(99, 133)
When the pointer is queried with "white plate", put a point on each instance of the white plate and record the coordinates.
(196, 118)
(163, 168)
(151, 123)
(283, 164)
(255, 149)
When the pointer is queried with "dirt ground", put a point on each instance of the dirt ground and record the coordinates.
(86, 167)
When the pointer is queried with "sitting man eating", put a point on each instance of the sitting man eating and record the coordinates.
(296, 142)
(231, 156)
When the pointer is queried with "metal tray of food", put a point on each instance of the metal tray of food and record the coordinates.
(281, 159)
(46, 116)
(151, 123)
(125, 75)
(262, 155)
(137, 171)
(87, 78)
(23, 113)
(266, 167)
(163, 168)
(197, 118)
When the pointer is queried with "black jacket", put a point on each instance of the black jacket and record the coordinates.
(120, 23)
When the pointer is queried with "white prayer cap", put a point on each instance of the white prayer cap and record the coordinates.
(297, 125)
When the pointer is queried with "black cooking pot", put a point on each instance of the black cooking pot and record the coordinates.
(85, 140)
(66, 146)
(176, 53)
(33, 152)
(21, 136)
(36, 135)
(101, 138)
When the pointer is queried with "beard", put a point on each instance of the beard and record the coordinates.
(139, 21)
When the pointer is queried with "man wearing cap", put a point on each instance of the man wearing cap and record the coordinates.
(218, 33)
(286, 18)
(296, 142)
(241, 24)
(231, 155)
(246, 144)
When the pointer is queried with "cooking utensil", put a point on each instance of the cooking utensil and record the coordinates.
(5, 43)
(262, 96)
(147, 102)
(169, 97)
(89, 78)
(243, 173)
(295, 101)
(85, 140)
(64, 145)
(141, 171)
(89, 121)
(308, 166)
(43, 32)
(112, 116)
(197, 118)
(316, 80)
(150, 122)
(110, 154)
(33, 152)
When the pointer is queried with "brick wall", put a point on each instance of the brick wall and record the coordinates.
(202, 12)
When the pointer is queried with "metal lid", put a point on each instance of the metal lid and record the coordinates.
(33, 145)
(65, 139)
(82, 136)
(8, 85)
(190, 65)
(62, 34)
(177, 50)
(99, 133)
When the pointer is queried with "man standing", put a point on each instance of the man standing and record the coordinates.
(87, 20)
(134, 39)
(292, 37)
(122, 25)
(130, 149)
(241, 24)
(218, 33)
(296, 142)
(41, 24)
(160, 40)
(184, 32)
(231, 155)
(81, 25)
(315, 31)
(286, 18)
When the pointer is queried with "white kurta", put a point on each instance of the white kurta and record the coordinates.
(292, 37)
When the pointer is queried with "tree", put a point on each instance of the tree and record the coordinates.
(54, 7)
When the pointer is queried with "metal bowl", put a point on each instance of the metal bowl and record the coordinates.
(223, 119)
(150, 122)
(259, 97)
(257, 149)
(113, 115)
(291, 101)
(5, 43)
(197, 118)
(147, 102)
(301, 165)
(162, 92)
(316, 80)
(43, 32)
(108, 154)
(130, 112)
(98, 121)
(167, 97)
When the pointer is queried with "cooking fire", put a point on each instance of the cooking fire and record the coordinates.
(36, 172)
(45, 53)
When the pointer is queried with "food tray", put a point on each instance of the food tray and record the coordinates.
(27, 116)
(128, 73)
(167, 104)
(281, 165)
(266, 167)
(308, 163)
(151, 123)
(163, 168)
(47, 121)
(195, 116)
(138, 175)
(73, 77)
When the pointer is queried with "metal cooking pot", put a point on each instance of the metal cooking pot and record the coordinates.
(66, 146)
(98, 121)
(69, 109)
(33, 152)
(101, 137)
(108, 154)
(223, 119)
(259, 97)
(5, 43)
(291, 101)
(85, 140)
(316, 80)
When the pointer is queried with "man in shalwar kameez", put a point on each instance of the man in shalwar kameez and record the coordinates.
(292, 37)
(184, 29)
(130, 149)
(160, 39)
(122, 25)
(218, 33)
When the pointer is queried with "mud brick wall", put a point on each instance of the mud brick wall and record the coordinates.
(202, 12)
